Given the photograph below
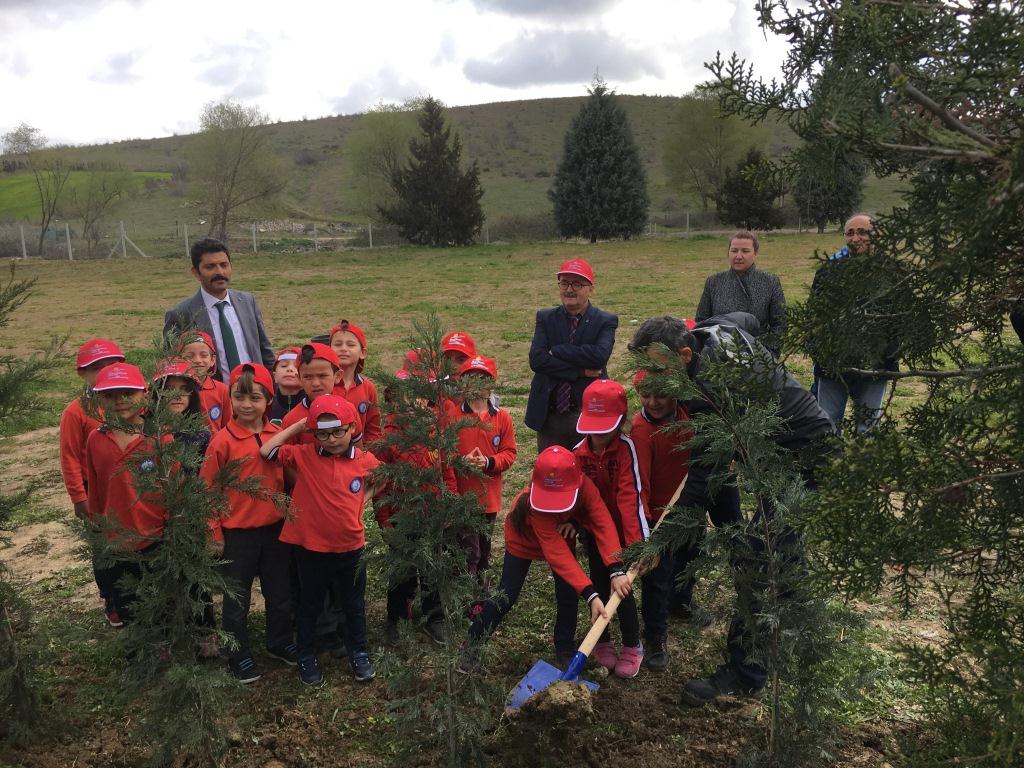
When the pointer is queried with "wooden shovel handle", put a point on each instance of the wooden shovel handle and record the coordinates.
(598, 627)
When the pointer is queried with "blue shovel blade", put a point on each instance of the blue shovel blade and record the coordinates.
(540, 676)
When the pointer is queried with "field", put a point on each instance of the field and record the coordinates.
(492, 292)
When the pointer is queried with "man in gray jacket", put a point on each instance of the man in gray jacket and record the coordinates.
(231, 317)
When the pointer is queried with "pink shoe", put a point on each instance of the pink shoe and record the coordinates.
(629, 661)
(604, 654)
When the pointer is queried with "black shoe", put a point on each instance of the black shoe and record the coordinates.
(362, 669)
(309, 671)
(244, 670)
(289, 654)
(564, 658)
(391, 635)
(435, 630)
(693, 614)
(656, 655)
(723, 682)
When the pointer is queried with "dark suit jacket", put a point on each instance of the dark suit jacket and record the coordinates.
(554, 360)
(191, 313)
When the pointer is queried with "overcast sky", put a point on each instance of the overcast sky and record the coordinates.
(91, 70)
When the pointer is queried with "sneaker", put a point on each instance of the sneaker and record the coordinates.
(244, 670)
(564, 658)
(693, 614)
(630, 658)
(435, 631)
(289, 654)
(391, 635)
(113, 617)
(604, 654)
(309, 670)
(656, 655)
(362, 668)
(723, 682)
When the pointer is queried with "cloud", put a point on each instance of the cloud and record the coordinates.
(555, 56)
(386, 85)
(118, 69)
(557, 9)
(239, 70)
(447, 51)
(15, 63)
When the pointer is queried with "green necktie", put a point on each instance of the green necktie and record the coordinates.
(228, 337)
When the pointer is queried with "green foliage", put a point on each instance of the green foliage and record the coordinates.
(827, 185)
(436, 202)
(749, 192)
(600, 187)
(377, 148)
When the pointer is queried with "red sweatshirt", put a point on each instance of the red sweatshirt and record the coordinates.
(363, 395)
(541, 540)
(662, 466)
(495, 436)
(299, 413)
(75, 427)
(616, 473)
(215, 400)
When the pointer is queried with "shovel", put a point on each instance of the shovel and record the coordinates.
(543, 675)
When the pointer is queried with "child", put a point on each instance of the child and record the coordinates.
(458, 347)
(198, 349)
(319, 371)
(349, 342)
(287, 385)
(489, 444)
(327, 526)
(608, 458)
(541, 520)
(135, 522)
(176, 384)
(80, 418)
(663, 465)
(251, 529)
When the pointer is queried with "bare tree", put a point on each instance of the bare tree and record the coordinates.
(94, 198)
(22, 140)
(51, 172)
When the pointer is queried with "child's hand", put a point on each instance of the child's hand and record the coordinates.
(592, 373)
(621, 586)
(81, 509)
(568, 531)
(597, 610)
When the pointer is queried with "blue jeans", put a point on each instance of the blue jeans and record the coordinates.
(867, 396)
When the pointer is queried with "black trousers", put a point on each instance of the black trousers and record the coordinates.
(629, 621)
(345, 573)
(656, 593)
(112, 583)
(559, 429)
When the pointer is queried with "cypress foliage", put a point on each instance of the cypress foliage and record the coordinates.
(827, 185)
(600, 188)
(748, 194)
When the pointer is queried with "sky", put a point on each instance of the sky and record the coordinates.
(88, 71)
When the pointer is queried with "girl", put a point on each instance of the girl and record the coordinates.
(287, 384)
(198, 349)
(349, 342)
(176, 384)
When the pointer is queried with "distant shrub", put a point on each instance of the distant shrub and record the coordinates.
(306, 157)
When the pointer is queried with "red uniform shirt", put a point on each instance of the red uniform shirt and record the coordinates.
(495, 436)
(363, 395)
(541, 540)
(616, 473)
(75, 427)
(215, 400)
(299, 413)
(233, 443)
(662, 465)
(327, 501)
(108, 474)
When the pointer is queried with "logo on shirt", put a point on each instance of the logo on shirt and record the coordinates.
(356, 485)
(495, 440)
(215, 413)
(364, 406)
(147, 465)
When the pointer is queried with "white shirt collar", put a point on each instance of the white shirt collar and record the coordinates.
(211, 301)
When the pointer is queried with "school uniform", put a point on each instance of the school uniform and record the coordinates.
(296, 414)
(215, 400)
(282, 404)
(76, 424)
(363, 395)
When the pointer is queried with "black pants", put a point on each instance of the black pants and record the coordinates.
(723, 509)
(655, 597)
(111, 583)
(343, 572)
(401, 595)
(252, 552)
(513, 575)
(478, 548)
(629, 622)
(559, 429)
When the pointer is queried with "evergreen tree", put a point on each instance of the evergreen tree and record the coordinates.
(748, 194)
(600, 188)
(933, 500)
(436, 202)
(827, 185)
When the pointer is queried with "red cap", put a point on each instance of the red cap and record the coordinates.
(413, 362)
(260, 375)
(98, 349)
(638, 379)
(288, 353)
(603, 409)
(402, 375)
(175, 367)
(690, 323)
(556, 480)
(479, 364)
(352, 328)
(321, 352)
(459, 341)
(332, 405)
(199, 336)
(119, 376)
(577, 267)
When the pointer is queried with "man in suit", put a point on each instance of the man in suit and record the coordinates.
(571, 346)
(231, 317)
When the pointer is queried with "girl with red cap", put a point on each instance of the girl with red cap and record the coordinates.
(199, 350)
(176, 384)
(348, 341)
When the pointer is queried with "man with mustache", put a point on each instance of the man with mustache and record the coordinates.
(231, 317)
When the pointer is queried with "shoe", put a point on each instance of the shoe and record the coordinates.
(309, 670)
(289, 654)
(435, 631)
(604, 654)
(564, 658)
(656, 655)
(723, 682)
(113, 617)
(693, 614)
(630, 658)
(362, 668)
(244, 670)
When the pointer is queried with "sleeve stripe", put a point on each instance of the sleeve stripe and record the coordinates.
(641, 513)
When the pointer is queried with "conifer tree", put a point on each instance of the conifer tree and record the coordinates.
(749, 193)
(827, 185)
(600, 187)
(436, 202)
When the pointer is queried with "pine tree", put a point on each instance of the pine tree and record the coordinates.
(827, 185)
(749, 193)
(931, 501)
(600, 188)
(437, 203)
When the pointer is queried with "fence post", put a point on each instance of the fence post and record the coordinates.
(369, 230)
(24, 252)
(124, 249)
(254, 250)
(185, 225)
(316, 239)
(487, 234)
(687, 221)
(67, 232)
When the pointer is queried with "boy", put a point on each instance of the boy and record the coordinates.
(327, 526)
(287, 384)
(319, 372)
(80, 418)
(609, 459)
(349, 342)
(458, 347)
(198, 349)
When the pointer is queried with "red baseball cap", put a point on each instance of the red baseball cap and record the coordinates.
(479, 364)
(95, 350)
(459, 341)
(352, 328)
(577, 267)
(260, 375)
(414, 362)
(175, 367)
(199, 336)
(288, 353)
(119, 376)
(603, 409)
(332, 405)
(321, 352)
(555, 484)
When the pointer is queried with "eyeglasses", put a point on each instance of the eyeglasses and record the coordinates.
(860, 232)
(323, 435)
(576, 285)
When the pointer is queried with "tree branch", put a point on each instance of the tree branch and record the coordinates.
(977, 479)
(931, 374)
(940, 151)
(939, 111)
